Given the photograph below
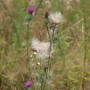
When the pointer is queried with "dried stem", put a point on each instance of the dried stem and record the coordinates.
(38, 7)
(85, 43)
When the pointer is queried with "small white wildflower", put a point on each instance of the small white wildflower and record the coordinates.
(56, 17)
(35, 53)
(38, 63)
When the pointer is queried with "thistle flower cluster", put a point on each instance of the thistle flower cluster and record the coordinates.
(52, 21)
(55, 17)
(42, 49)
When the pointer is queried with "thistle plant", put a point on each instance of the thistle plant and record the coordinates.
(51, 22)
(29, 17)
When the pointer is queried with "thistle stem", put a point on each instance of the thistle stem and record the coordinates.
(28, 59)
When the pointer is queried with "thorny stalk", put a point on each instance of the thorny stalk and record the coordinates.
(51, 38)
(28, 59)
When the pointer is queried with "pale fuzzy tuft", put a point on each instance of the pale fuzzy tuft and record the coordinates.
(42, 48)
(56, 17)
(35, 43)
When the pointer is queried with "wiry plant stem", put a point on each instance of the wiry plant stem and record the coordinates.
(85, 45)
(85, 53)
(38, 6)
(28, 59)
(64, 63)
(51, 38)
(50, 44)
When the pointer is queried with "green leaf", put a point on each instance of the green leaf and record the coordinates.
(28, 17)
(56, 37)
(29, 88)
(46, 21)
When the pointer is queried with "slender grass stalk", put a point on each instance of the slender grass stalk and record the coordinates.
(38, 7)
(85, 52)
(85, 43)
(64, 63)
(41, 85)
(85, 55)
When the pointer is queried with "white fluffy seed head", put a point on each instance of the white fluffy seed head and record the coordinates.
(56, 17)
(35, 42)
(42, 48)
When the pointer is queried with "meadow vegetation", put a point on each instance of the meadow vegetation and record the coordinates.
(44, 44)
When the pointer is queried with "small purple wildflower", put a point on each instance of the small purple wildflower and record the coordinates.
(31, 10)
(28, 84)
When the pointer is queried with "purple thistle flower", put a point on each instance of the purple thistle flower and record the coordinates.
(31, 10)
(28, 84)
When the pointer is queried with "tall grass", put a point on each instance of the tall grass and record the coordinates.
(67, 68)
